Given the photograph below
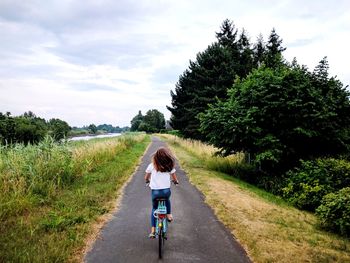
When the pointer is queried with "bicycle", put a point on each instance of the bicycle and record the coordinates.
(160, 214)
(161, 224)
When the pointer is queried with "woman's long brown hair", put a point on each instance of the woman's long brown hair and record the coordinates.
(163, 160)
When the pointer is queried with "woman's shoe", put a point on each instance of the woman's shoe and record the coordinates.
(152, 235)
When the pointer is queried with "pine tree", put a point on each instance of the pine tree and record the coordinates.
(206, 78)
(246, 62)
(274, 49)
(227, 36)
(321, 70)
(259, 51)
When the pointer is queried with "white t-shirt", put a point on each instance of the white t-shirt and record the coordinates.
(159, 180)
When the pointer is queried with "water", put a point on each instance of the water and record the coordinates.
(89, 137)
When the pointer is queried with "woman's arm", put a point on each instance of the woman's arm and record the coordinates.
(147, 177)
(174, 178)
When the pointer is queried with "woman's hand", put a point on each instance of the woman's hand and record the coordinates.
(175, 182)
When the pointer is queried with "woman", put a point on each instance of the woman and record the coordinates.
(159, 173)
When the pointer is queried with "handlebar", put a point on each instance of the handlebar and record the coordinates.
(147, 182)
(175, 182)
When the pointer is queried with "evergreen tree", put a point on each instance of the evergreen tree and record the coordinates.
(259, 51)
(246, 59)
(207, 77)
(274, 49)
(227, 36)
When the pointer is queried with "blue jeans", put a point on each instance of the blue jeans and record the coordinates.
(161, 193)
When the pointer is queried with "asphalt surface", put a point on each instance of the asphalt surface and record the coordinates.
(195, 235)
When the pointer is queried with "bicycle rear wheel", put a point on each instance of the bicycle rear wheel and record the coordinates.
(160, 242)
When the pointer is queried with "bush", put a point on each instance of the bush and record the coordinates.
(174, 132)
(334, 211)
(307, 185)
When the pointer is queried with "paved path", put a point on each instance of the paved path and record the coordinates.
(196, 235)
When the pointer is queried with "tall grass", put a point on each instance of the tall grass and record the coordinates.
(53, 194)
(268, 228)
(233, 164)
(33, 174)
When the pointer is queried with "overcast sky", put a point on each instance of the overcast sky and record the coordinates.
(102, 61)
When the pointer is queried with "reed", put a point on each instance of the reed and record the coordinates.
(233, 164)
(53, 194)
(34, 173)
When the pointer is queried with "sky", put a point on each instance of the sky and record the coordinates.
(102, 61)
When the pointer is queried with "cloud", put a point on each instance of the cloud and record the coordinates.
(102, 61)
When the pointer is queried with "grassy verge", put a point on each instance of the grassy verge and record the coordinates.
(268, 228)
(54, 225)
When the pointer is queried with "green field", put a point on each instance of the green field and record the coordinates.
(53, 196)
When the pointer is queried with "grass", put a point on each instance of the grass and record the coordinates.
(55, 225)
(268, 228)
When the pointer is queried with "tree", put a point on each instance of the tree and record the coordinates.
(154, 120)
(58, 129)
(93, 128)
(29, 128)
(259, 51)
(246, 58)
(280, 116)
(136, 121)
(227, 37)
(274, 49)
(209, 77)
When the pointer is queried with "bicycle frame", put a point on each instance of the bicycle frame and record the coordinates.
(161, 224)
(160, 215)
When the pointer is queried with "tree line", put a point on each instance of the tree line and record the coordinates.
(97, 129)
(246, 97)
(152, 121)
(292, 123)
(28, 128)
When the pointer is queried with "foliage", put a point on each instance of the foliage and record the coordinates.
(55, 227)
(59, 129)
(214, 71)
(136, 121)
(260, 220)
(153, 121)
(92, 128)
(280, 116)
(173, 132)
(334, 211)
(274, 49)
(110, 129)
(39, 171)
(26, 128)
(308, 184)
(101, 129)
(29, 129)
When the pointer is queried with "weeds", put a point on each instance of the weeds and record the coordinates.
(52, 193)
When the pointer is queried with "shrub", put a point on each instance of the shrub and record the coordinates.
(307, 185)
(334, 211)
(174, 132)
